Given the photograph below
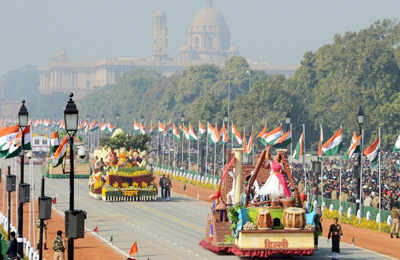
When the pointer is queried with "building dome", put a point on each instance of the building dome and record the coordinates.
(209, 16)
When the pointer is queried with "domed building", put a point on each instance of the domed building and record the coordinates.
(208, 38)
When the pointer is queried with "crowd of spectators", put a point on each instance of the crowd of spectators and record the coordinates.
(390, 180)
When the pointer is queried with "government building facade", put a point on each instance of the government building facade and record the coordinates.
(208, 42)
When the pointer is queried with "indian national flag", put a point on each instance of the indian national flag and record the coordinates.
(136, 126)
(7, 135)
(372, 151)
(284, 140)
(263, 132)
(223, 134)
(58, 156)
(54, 142)
(213, 134)
(186, 133)
(236, 135)
(161, 127)
(61, 124)
(103, 127)
(321, 140)
(272, 136)
(334, 144)
(249, 146)
(354, 146)
(298, 151)
(142, 129)
(175, 133)
(192, 134)
(110, 127)
(396, 147)
(202, 129)
(15, 146)
(94, 125)
(83, 125)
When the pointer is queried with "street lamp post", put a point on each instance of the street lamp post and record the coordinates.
(223, 148)
(23, 121)
(71, 126)
(360, 120)
(183, 122)
(289, 126)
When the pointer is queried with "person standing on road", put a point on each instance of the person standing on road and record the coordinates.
(58, 246)
(318, 227)
(395, 221)
(168, 186)
(162, 183)
(12, 248)
(336, 233)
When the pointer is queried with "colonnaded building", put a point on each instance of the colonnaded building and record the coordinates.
(208, 41)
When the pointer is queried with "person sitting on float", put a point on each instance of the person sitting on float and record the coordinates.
(276, 186)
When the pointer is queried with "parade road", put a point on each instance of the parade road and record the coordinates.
(164, 230)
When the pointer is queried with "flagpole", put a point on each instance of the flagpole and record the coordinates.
(379, 174)
(215, 156)
(183, 138)
(189, 151)
(304, 154)
(169, 149)
(158, 143)
(198, 150)
(231, 137)
(253, 146)
(340, 189)
(291, 143)
(206, 150)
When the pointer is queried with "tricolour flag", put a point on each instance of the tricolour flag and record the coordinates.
(272, 136)
(262, 133)
(202, 129)
(396, 147)
(212, 133)
(15, 146)
(136, 126)
(7, 135)
(175, 133)
(58, 156)
(372, 151)
(298, 151)
(94, 125)
(334, 144)
(142, 129)
(284, 140)
(249, 146)
(54, 141)
(192, 134)
(186, 133)
(161, 127)
(354, 146)
(223, 134)
(236, 135)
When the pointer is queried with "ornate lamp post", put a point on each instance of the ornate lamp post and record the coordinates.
(360, 120)
(23, 121)
(71, 117)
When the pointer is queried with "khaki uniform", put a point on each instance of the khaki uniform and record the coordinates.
(395, 224)
(59, 248)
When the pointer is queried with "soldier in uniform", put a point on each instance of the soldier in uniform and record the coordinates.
(58, 246)
(395, 221)
(44, 233)
(336, 233)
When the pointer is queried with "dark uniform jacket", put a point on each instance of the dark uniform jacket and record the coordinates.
(58, 244)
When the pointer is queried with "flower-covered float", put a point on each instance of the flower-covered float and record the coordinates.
(251, 220)
(121, 175)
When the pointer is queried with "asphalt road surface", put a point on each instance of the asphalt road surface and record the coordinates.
(164, 230)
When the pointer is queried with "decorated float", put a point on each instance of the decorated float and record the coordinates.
(251, 220)
(121, 175)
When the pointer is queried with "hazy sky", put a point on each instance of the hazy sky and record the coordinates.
(277, 31)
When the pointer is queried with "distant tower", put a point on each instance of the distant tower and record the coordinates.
(160, 36)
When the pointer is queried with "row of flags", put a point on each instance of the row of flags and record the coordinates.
(276, 138)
